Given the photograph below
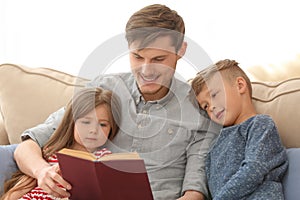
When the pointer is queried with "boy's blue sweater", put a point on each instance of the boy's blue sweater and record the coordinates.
(247, 161)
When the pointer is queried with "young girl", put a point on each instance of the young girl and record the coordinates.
(87, 124)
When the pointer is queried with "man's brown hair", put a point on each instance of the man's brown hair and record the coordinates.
(154, 21)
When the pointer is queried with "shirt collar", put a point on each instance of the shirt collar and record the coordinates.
(138, 98)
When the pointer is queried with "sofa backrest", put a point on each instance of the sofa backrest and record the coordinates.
(29, 95)
(281, 101)
(276, 91)
(275, 72)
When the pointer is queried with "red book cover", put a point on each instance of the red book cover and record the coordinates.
(115, 176)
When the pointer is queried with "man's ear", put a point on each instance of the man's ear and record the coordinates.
(241, 85)
(182, 50)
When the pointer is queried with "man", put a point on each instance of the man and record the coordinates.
(158, 115)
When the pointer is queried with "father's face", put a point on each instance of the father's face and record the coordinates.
(153, 67)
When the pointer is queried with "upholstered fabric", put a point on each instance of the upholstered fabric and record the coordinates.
(8, 166)
(3, 134)
(291, 181)
(275, 71)
(281, 101)
(28, 96)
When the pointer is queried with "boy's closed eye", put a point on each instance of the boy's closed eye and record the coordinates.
(214, 94)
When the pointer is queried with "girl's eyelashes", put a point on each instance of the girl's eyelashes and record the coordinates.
(103, 124)
(85, 122)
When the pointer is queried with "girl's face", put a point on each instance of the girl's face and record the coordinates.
(92, 130)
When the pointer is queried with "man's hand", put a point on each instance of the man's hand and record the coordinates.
(192, 195)
(28, 156)
(49, 179)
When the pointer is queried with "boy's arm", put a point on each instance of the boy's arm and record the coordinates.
(29, 158)
(263, 155)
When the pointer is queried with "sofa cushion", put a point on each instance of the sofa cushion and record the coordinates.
(8, 166)
(281, 101)
(3, 134)
(291, 180)
(29, 95)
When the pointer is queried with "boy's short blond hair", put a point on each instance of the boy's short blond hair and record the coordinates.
(229, 69)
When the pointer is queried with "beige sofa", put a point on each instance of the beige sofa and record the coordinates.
(28, 96)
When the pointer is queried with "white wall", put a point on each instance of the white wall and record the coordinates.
(61, 34)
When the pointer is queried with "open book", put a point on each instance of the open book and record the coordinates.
(112, 177)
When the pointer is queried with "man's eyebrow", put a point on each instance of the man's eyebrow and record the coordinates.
(160, 56)
(135, 53)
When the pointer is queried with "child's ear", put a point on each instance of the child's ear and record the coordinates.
(241, 85)
(182, 50)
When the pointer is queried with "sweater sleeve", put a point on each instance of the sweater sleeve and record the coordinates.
(265, 159)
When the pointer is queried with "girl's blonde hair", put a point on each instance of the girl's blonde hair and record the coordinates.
(83, 102)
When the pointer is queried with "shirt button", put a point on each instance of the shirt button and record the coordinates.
(170, 131)
(139, 126)
(145, 111)
(158, 107)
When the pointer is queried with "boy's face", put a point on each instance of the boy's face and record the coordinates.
(221, 100)
(153, 67)
(92, 130)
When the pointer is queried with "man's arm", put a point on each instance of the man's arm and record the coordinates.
(195, 185)
(29, 158)
(28, 155)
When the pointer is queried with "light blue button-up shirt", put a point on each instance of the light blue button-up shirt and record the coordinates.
(170, 134)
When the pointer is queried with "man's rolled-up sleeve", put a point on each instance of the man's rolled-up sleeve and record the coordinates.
(195, 177)
(42, 132)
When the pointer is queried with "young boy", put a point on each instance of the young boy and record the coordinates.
(247, 160)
